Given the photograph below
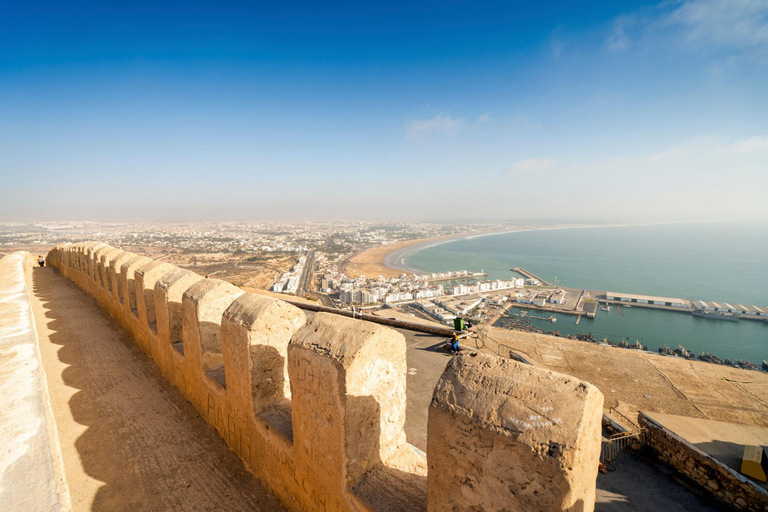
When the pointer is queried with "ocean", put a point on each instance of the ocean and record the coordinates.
(718, 261)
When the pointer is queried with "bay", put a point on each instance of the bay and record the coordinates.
(717, 261)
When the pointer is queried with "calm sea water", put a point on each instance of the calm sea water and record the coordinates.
(708, 261)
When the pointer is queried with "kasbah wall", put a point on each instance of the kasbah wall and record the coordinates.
(316, 409)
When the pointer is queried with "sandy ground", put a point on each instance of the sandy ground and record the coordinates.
(632, 380)
(129, 440)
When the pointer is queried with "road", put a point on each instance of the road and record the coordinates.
(305, 280)
(306, 288)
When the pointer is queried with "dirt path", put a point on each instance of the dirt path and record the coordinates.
(129, 440)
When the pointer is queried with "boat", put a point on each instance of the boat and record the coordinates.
(607, 307)
(765, 365)
(716, 315)
(710, 358)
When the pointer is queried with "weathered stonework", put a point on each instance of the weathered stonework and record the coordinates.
(514, 436)
(716, 478)
(316, 409)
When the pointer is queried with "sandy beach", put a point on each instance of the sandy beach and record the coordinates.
(389, 260)
(371, 262)
(386, 260)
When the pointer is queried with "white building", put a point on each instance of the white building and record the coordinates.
(558, 298)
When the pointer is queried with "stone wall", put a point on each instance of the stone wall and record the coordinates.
(315, 409)
(513, 436)
(724, 483)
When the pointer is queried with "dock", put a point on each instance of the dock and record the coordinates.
(685, 305)
(590, 309)
(530, 275)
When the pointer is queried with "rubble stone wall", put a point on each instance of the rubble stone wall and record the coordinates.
(724, 483)
(316, 409)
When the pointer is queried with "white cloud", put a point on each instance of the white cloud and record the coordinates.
(484, 118)
(532, 166)
(715, 154)
(735, 26)
(726, 23)
(556, 42)
(707, 177)
(755, 144)
(618, 40)
(442, 124)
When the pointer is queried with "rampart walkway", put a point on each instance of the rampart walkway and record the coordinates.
(129, 439)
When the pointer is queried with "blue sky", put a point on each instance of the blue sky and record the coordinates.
(563, 111)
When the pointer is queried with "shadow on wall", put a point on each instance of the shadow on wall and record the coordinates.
(143, 444)
(198, 365)
(345, 404)
(385, 488)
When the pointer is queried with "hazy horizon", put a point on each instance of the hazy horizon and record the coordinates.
(432, 111)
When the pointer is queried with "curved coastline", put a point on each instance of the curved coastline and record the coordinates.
(397, 259)
(392, 260)
(373, 261)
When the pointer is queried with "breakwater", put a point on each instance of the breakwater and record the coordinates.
(530, 275)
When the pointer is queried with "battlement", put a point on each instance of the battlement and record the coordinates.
(316, 408)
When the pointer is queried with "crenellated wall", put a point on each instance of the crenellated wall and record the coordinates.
(316, 408)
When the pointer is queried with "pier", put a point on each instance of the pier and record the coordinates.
(529, 275)
(738, 311)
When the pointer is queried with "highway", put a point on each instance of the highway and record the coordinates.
(306, 286)
(305, 280)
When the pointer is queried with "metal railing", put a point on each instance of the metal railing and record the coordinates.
(624, 419)
(486, 342)
(620, 447)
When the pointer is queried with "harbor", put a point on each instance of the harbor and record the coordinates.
(700, 308)
(588, 302)
(692, 262)
(649, 330)
(638, 322)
